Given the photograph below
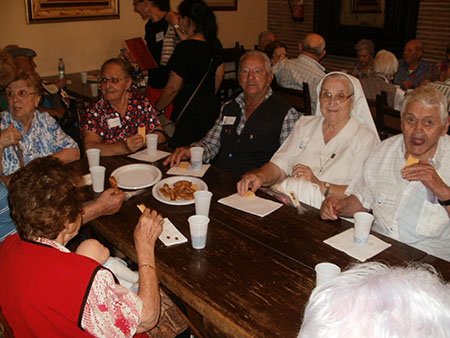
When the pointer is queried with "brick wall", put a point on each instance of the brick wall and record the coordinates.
(433, 28)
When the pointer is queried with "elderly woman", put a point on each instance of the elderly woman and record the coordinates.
(323, 152)
(27, 133)
(196, 72)
(365, 50)
(112, 122)
(276, 51)
(45, 288)
(385, 65)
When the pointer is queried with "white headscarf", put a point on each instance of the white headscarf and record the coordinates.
(360, 110)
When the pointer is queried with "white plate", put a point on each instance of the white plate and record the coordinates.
(171, 180)
(136, 176)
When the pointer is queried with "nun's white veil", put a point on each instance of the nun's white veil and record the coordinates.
(360, 110)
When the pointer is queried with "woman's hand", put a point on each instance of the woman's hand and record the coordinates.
(147, 231)
(134, 142)
(9, 137)
(305, 172)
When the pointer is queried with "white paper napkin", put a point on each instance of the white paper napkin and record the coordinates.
(170, 235)
(254, 205)
(87, 179)
(143, 155)
(344, 242)
(188, 171)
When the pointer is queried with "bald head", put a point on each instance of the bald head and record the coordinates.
(413, 51)
(313, 46)
(265, 38)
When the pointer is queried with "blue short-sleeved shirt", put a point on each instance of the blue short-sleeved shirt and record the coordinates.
(7, 226)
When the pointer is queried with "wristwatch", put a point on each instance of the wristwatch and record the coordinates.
(444, 203)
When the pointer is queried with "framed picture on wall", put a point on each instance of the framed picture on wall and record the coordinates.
(39, 11)
(388, 23)
(222, 5)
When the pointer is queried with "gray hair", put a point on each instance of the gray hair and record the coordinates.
(385, 63)
(365, 44)
(314, 43)
(263, 55)
(374, 300)
(428, 96)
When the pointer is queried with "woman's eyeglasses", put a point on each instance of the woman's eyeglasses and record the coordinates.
(22, 94)
(113, 80)
(339, 98)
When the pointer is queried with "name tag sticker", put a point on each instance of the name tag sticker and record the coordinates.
(113, 123)
(159, 36)
(229, 120)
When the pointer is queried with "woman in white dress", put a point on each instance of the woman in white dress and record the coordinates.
(324, 152)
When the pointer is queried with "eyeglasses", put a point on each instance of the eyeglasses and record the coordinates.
(22, 94)
(339, 98)
(114, 80)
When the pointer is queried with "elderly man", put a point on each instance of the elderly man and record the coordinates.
(306, 68)
(413, 70)
(251, 127)
(410, 202)
(264, 38)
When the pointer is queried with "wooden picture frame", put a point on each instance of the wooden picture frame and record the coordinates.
(39, 11)
(398, 25)
(222, 5)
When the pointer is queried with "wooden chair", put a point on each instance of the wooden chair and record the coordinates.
(299, 99)
(387, 118)
(230, 84)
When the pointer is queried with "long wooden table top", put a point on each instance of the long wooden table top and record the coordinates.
(255, 275)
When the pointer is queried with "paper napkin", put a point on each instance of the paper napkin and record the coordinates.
(86, 179)
(187, 170)
(170, 235)
(254, 205)
(344, 242)
(143, 155)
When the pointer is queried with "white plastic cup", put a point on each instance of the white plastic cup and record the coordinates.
(326, 271)
(363, 224)
(198, 226)
(83, 77)
(98, 178)
(93, 156)
(94, 89)
(152, 143)
(202, 202)
(196, 158)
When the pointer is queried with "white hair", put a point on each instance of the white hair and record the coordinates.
(385, 63)
(374, 300)
(428, 96)
(262, 55)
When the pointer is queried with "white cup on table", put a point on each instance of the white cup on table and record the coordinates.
(98, 178)
(93, 156)
(326, 271)
(94, 89)
(152, 143)
(363, 224)
(83, 77)
(196, 158)
(198, 226)
(202, 202)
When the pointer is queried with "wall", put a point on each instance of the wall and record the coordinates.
(432, 28)
(84, 45)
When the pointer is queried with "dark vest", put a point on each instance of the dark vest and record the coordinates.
(259, 139)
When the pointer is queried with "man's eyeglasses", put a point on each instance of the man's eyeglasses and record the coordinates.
(339, 98)
(22, 94)
(113, 80)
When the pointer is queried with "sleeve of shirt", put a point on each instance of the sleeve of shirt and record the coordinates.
(61, 139)
(111, 310)
(360, 188)
(178, 62)
(211, 142)
(288, 124)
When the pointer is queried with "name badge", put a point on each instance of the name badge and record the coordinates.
(229, 120)
(159, 36)
(113, 123)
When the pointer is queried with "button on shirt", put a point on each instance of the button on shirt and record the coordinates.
(406, 211)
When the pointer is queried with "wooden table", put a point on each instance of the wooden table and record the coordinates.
(255, 275)
(75, 88)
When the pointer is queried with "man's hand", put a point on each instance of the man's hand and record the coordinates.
(110, 201)
(427, 174)
(248, 182)
(181, 153)
(305, 172)
(330, 208)
(134, 142)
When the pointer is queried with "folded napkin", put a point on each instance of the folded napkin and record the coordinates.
(87, 179)
(170, 235)
(254, 205)
(186, 170)
(344, 242)
(143, 155)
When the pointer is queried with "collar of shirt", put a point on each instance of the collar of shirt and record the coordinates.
(52, 244)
